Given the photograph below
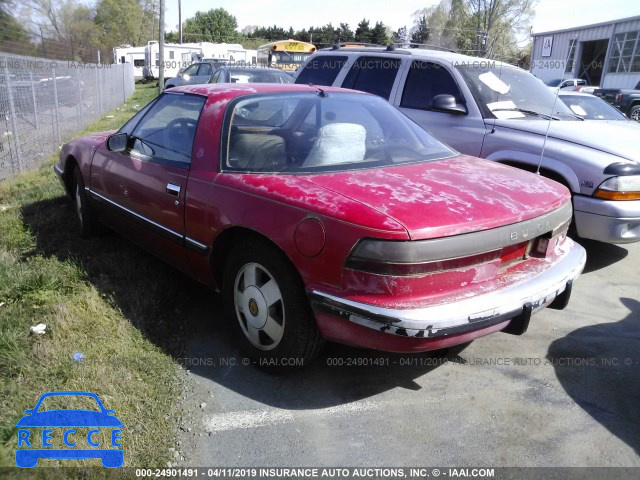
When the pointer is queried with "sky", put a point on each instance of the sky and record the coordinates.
(550, 14)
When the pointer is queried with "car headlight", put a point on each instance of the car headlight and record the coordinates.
(619, 188)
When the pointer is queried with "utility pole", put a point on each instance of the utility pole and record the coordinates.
(44, 50)
(180, 20)
(161, 48)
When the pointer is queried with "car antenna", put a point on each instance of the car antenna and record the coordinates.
(321, 92)
(546, 134)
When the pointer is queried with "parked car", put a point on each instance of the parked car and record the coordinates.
(325, 213)
(496, 111)
(255, 74)
(625, 100)
(590, 107)
(559, 83)
(584, 89)
(195, 73)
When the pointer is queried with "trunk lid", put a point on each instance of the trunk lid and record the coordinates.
(448, 197)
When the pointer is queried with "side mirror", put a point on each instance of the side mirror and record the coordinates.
(447, 103)
(117, 142)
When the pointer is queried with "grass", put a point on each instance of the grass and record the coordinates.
(103, 298)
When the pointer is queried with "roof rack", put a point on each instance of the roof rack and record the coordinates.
(338, 45)
(419, 45)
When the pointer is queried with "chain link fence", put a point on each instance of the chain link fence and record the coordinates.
(43, 102)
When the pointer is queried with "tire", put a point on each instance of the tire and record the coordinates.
(88, 224)
(266, 305)
(634, 113)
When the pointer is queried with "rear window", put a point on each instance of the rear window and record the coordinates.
(321, 70)
(322, 132)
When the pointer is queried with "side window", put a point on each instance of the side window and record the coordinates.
(215, 78)
(167, 130)
(321, 70)
(205, 69)
(426, 80)
(191, 69)
(373, 75)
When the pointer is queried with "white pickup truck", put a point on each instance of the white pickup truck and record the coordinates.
(494, 110)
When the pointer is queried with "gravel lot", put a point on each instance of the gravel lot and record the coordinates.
(567, 393)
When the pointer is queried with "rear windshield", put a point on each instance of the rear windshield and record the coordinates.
(322, 132)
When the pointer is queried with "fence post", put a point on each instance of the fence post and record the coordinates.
(33, 97)
(80, 98)
(55, 103)
(98, 96)
(14, 124)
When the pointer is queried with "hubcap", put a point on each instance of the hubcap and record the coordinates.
(79, 203)
(259, 306)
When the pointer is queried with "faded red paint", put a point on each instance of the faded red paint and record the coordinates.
(418, 201)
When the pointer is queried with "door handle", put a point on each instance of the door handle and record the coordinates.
(173, 189)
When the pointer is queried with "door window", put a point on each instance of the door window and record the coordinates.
(205, 69)
(191, 69)
(373, 75)
(167, 131)
(426, 80)
(321, 70)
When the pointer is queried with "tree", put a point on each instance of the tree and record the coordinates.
(120, 23)
(217, 26)
(344, 33)
(13, 37)
(363, 32)
(379, 34)
(401, 36)
(497, 23)
(420, 33)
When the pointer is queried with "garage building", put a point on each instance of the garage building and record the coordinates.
(605, 54)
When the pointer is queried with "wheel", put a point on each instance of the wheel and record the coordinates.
(634, 113)
(267, 307)
(88, 223)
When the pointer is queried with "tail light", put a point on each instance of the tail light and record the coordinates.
(369, 257)
(618, 97)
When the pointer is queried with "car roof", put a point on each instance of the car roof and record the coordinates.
(445, 55)
(240, 89)
(249, 68)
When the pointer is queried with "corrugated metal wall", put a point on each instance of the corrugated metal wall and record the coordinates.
(553, 67)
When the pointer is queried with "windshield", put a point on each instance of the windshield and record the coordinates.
(69, 402)
(554, 83)
(591, 108)
(322, 132)
(511, 93)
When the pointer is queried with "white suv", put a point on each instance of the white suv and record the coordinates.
(494, 110)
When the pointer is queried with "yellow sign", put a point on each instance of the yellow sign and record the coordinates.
(294, 47)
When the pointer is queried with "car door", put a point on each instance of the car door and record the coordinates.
(141, 191)
(423, 81)
(188, 74)
(202, 75)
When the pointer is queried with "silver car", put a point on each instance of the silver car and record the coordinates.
(494, 110)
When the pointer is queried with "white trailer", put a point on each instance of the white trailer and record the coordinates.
(233, 52)
(175, 57)
(134, 55)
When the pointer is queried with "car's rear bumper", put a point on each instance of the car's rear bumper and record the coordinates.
(439, 326)
(607, 220)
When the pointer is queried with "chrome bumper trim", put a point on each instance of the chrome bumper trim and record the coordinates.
(465, 315)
